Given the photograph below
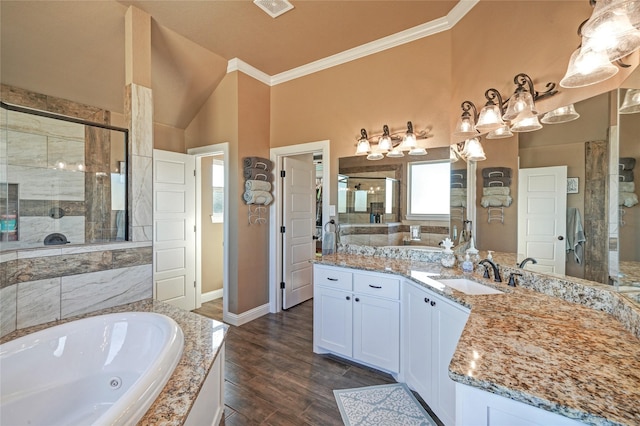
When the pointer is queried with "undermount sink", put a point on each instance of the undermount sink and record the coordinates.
(469, 287)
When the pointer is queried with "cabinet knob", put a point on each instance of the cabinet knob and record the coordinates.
(433, 303)
(348, 297)
(426, 300)
(357, 299)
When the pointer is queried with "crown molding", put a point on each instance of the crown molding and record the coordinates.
(420, 31)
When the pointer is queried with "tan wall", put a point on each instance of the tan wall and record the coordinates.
(211, 235)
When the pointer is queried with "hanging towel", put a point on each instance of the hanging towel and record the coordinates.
(627, 199)
(496, 190)
(496, 201)
(257, 174)
(489, 172)
(458, 192)
(257, 197)
(625, 175)
(496, 181)
(256, 163)
(575, 234)
(626, 187)
(257, 185)
(458, 201)
(626, 163)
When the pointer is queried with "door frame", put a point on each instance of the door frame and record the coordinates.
(205, 151)
(275, 211)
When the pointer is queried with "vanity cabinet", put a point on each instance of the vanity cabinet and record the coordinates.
(357, 315)
(431, 328)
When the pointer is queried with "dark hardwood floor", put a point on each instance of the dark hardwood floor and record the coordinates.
(272, 376)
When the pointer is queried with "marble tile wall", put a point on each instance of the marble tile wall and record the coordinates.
(596, 211)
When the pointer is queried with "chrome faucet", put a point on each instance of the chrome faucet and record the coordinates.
(496, 272)
(524, 262)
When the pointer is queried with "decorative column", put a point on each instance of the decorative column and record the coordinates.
(138, 111)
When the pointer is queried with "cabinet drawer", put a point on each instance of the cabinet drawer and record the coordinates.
(376, 285)
(331, 277)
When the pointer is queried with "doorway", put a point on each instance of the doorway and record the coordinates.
(278, 256)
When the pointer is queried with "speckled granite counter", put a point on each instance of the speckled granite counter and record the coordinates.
(564, 357)
(203, 339)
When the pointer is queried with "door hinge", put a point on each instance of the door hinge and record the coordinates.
(194, 284)
(194, 173)
(282, 173)
(282, 285)
(194, 228)
(282, 229)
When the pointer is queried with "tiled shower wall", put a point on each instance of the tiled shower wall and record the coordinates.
(41, 285)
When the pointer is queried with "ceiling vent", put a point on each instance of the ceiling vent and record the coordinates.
(274, 8)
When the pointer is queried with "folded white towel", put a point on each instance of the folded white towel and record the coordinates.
(627, 199)
(257, 185)
(257, 197)
(496, 190)
(626, 186)
(457, 201)
(458, 192)
(496, 201)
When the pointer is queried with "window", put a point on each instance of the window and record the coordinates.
(428, 194)
(217, 190)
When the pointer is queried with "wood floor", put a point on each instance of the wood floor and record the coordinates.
(272, 376)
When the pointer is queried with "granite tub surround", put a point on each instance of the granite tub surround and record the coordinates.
(417, 253)
(203, 340)
(578, 360)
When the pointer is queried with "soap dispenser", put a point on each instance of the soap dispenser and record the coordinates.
(467, 265)
(490, 255)
(448, 258)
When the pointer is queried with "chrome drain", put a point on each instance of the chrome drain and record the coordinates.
(115, 383)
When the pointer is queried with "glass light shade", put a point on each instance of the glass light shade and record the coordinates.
(631, 103)
(395, 153)
(473, 150)
(384, 144)
(520, 102)
(418, 151)
(465, 127)
(375, 156)
(500, 133)
(453, 157)
(560, 115)
(612, 27)
(490, 118)
(363, 147)
(526, 123)
(408, 142)
(586, 67)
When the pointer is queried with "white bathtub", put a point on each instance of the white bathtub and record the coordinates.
(102, 370)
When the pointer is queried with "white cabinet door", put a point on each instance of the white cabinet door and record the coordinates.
(416, 340)
(332, 321)
(376, 331)
(447, 323)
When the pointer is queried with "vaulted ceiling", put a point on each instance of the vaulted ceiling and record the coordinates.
(75, 49)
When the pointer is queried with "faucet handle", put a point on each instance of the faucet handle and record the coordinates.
(512, 278)
(486, 272)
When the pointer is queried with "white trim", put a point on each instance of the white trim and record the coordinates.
(275, 212)
(412, 34)
(245, 317)
(212, 295)
(237, 64)
(201, 152)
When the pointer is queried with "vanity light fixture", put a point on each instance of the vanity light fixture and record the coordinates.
(491, 114)
(391, 144)
(523, 99)
(500, 133)
(561, 115)
(631, 103)
(466, 125)
(363, 147)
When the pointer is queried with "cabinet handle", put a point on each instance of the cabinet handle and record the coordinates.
(332, 279)
(357, 299)
(348, 297)
(426, 300)
(433, 303)
(375, 286)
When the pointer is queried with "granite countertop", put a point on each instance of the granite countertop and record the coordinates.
(547, 352)
(203, 338)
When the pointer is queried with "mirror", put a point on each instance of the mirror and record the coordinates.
(62, 181)
(373, 198)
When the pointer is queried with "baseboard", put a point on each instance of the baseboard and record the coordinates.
(245, 317)
(211, 295)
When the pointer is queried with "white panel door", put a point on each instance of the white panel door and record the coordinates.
(298, 218)
(542, 222)
(174, 229)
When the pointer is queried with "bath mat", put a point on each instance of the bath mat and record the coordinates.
(392, 404)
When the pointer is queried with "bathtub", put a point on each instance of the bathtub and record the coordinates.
(102, 370)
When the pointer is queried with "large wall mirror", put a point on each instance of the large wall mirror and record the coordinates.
(378, 204)
(62, 180)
